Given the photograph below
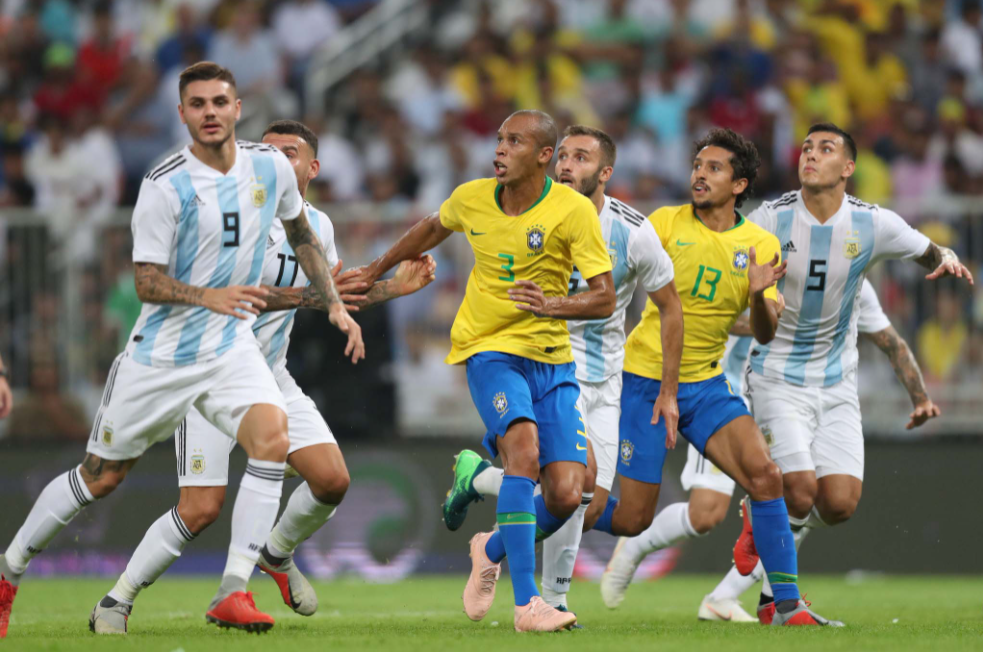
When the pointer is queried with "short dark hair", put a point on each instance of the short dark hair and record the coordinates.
(851, 146)
(609, 151)
(204, 71)
(293, 128)
(744, 158)
(546, 131)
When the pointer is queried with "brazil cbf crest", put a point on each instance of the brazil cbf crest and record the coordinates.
(627, 450)
(536, 238)
(741, 259)
(501, 403)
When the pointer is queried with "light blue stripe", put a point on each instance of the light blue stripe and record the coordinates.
(783, 233)
(863, 223)
(619, 242)
(279, 339)
(734, 364)
(265, 171)
(187, 250)
(314, 217)
(594, 342)
(194, 328)
(228, 199)
(810, 310)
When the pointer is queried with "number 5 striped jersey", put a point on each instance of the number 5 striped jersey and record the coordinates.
(816, 343)
(210, 230)
(542, 245)
(711, 277)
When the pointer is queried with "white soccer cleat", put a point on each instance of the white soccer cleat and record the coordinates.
(109, 617)
(618, 575)
(728, 610)
(296, 591)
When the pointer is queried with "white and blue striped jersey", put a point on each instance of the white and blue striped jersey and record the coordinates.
(816, 342)
(281, 269)
(636, 255)
(211, 230)
(871, 320)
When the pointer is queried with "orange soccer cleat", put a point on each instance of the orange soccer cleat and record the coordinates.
(239, 611)
(7, 594)
(745, 553)
(766, 613)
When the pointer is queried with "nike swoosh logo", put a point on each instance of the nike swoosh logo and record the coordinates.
(718, 614)
(683, 244)
(475, 233)
(581, 448)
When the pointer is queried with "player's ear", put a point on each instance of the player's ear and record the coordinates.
(180, 112)
(238, 108)
(606, 173)
(740, 185)
(314, 169)
(546, 155)
(849, 169)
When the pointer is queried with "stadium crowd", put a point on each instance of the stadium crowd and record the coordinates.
(88, 91)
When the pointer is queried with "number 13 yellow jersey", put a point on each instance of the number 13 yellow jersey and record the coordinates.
(541, 245)
(711, 277)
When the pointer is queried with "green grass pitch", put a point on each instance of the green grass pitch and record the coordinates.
(933, 613)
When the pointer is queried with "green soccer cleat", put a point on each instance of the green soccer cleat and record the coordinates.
(467, 464)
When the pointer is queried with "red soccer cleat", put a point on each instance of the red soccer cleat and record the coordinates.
(7, 594)
(239, 611)
(766, 613)
(745, 554)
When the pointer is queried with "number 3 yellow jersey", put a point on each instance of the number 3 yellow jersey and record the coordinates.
(541, 245)
(711, 277)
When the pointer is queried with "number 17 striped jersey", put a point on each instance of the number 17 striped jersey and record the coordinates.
(816, 342)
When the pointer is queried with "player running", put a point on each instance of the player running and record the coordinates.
(203, 451)
(714, 251)
(711, 490)
(585, 162)
(803, 386)
(527, 234)
(200, 229)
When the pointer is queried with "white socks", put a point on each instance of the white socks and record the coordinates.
(61, 500)
(160, 547)
(252, 518)
(303, 516)
(671, 525)
(489, 481)
(560, 556)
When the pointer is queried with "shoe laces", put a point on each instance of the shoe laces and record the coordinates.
(489, 575)
(807, 603)
(249, 599)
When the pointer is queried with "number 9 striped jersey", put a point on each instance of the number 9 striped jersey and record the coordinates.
(711, 277)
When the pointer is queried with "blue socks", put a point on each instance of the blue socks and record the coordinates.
(776, 547)
(516, 536)
(604, 522)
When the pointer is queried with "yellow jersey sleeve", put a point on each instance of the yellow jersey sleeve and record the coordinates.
(662, 220)
(452, 208)
(586, 242)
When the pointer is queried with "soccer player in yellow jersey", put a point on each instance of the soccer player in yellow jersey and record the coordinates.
(715, 253)
(527, 234)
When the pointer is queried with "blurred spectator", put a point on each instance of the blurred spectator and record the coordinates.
(962, 44)
(15, 189)
(248, 51)
(25, 44)
(421, 90)
(56, 168)
(45, 412)
(916, 174)
(927, 72)
(100, 59)
(59, 20)
(191, 35)
(300, 28)
(61, 93)
(942, 338)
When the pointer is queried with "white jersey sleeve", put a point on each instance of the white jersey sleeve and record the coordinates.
(894, 238)
(649, 259)
(872, 318)
(154, 224)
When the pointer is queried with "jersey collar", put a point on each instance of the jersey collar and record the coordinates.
(740, 222)
(546, 189)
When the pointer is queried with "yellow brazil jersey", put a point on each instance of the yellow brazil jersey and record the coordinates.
(711, 277)
(541, 245)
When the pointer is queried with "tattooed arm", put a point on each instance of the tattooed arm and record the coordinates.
(155, 286)
(311, 258)
(907, 370)
(943, 262)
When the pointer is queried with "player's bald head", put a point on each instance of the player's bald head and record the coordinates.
(539, 124)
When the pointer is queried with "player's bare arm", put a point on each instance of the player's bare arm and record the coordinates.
(943, 262)
(421, 238)
(310, 256)
(764, 312)
(666, 299)
(6, 398)
(598, 302)
(289, 298)
(153, 285)
(908, 372)
(742, 327)
(411, 276)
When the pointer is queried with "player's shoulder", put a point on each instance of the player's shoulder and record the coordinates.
(622, 212)
(258, 148)
(756, 234)
(667, 216)
(570, 199)
(170, 166)
(786, 201)
(856, 204)
(477, 189)
(320, 221)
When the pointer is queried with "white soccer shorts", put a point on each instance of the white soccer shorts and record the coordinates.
(143, 405)
(700, 473)
(810, 428)
(203, 451)
(600, 404)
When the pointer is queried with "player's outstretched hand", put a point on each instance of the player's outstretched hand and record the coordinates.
(951, 268)
(349, 288)
(529, 297)
(923, 412)
(235, 300)
(413, 275)
(340, 318)
(666, 408)
(6, 398)
(761, 277)
(363, 274)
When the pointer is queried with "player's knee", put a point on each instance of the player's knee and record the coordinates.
(706, 518)
(634, 524)
(836, 509)
(104, 483)
(799, 498)
(272, 444)
(564, 500)
(330, 488)
(199, 514)
(766, 482)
